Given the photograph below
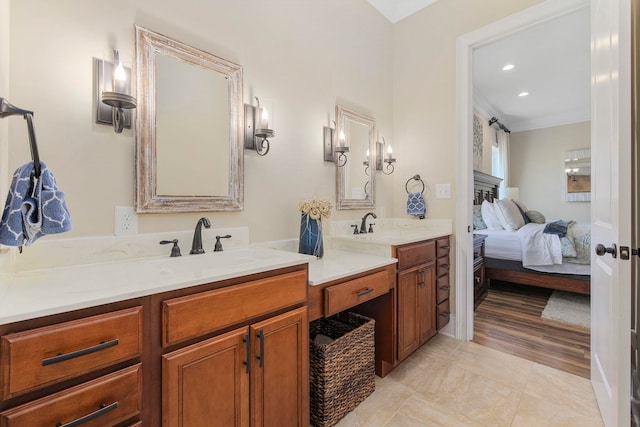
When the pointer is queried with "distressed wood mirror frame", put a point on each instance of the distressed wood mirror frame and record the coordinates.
(355, 173)
(150, 45)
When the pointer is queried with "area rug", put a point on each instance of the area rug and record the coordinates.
(568, 307)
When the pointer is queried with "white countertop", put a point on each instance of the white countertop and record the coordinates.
(38, 293)
(45, 291)
(337, 264)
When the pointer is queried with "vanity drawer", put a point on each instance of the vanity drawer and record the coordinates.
(415, 254)
(442, 314)
(42, 356)
(109, 400)
(442, 288)
(192, 316)
(348, 294)
(443, 247)
(442, 266)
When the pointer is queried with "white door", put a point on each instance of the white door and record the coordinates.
(611, 208)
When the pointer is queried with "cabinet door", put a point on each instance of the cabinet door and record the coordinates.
(280, 370)
(207, 384)
(426, 304)
(408, 311)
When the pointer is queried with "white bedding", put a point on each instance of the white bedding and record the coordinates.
(503, 244)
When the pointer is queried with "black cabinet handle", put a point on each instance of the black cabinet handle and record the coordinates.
(261, 356)
(247, 341)
(92, 416)
(365, 292)
(445, 288)
(444, 247)
(62, 357)
(444, 265)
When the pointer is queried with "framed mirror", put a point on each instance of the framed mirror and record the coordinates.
(577, 170)
(189, 155)
(355, 180)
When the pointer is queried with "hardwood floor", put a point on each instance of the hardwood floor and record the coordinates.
(509, 320)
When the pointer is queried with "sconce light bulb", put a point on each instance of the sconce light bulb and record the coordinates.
(368, 153)
(342, 137)
(119, 73)
(265, 115)
(389, 150)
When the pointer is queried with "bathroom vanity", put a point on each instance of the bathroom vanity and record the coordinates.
(144, 359)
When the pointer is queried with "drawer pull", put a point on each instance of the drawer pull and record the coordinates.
(445, 314)
(444, 265)
(103, 410)
(445, 247)
(445, 288)
(62, 357)
(366, 291)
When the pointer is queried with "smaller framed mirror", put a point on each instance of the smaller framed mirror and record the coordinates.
(355, 181)
(577, 170)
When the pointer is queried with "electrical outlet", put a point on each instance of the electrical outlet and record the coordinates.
(125, 221)
(443, 191)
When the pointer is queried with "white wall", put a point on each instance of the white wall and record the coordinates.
(306, 56)
(536, 166)
(4, 124)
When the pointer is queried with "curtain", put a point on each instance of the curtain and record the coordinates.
(502, 140)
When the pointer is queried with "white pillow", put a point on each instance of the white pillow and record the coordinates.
(508, 214)
(489, 216)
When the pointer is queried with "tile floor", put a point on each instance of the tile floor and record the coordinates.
(453, 383)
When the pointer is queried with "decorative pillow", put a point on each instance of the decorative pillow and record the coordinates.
(489, 216)
(535, 217)
(520, 205)
(522, 210)
(568, 247)
(508, 214)
(583, 249)
(478, 223)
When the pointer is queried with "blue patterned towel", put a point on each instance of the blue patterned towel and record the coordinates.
(416, 205)
(31, 213)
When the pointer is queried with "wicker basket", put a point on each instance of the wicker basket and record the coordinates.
(342, 373)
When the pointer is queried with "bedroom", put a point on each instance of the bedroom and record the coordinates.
(546, 127)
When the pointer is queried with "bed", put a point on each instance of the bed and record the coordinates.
(504, 256)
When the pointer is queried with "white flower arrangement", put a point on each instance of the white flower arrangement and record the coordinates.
(316, 208)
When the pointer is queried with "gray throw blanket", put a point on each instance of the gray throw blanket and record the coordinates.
(34, 208)
(558, 227)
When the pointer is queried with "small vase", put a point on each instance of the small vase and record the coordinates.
(311, 236)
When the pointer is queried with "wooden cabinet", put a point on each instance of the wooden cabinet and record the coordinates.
(106, 401)
(233, 352)
(37, 362)
(256, 374)
(443, 282)
(416, 297)
(480, 287)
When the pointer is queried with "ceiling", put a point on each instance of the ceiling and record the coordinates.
(396, 10)
(552, 64)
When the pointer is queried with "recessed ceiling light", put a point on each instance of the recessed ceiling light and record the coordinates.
(508, 67)
(523, 94)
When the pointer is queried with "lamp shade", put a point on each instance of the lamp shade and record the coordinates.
(512, 193)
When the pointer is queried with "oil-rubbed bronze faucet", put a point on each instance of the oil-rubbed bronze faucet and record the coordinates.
(196, 246)
(363, 225)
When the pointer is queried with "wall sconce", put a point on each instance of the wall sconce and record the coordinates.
(388, 159)
(113, 93)
(571, 173)
(330, 150)
(256, 127)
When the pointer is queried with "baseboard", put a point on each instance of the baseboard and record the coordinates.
(450, 329)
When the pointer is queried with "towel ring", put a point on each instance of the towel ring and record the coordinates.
(417, 178)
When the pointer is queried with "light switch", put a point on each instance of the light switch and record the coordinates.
(443, 191)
